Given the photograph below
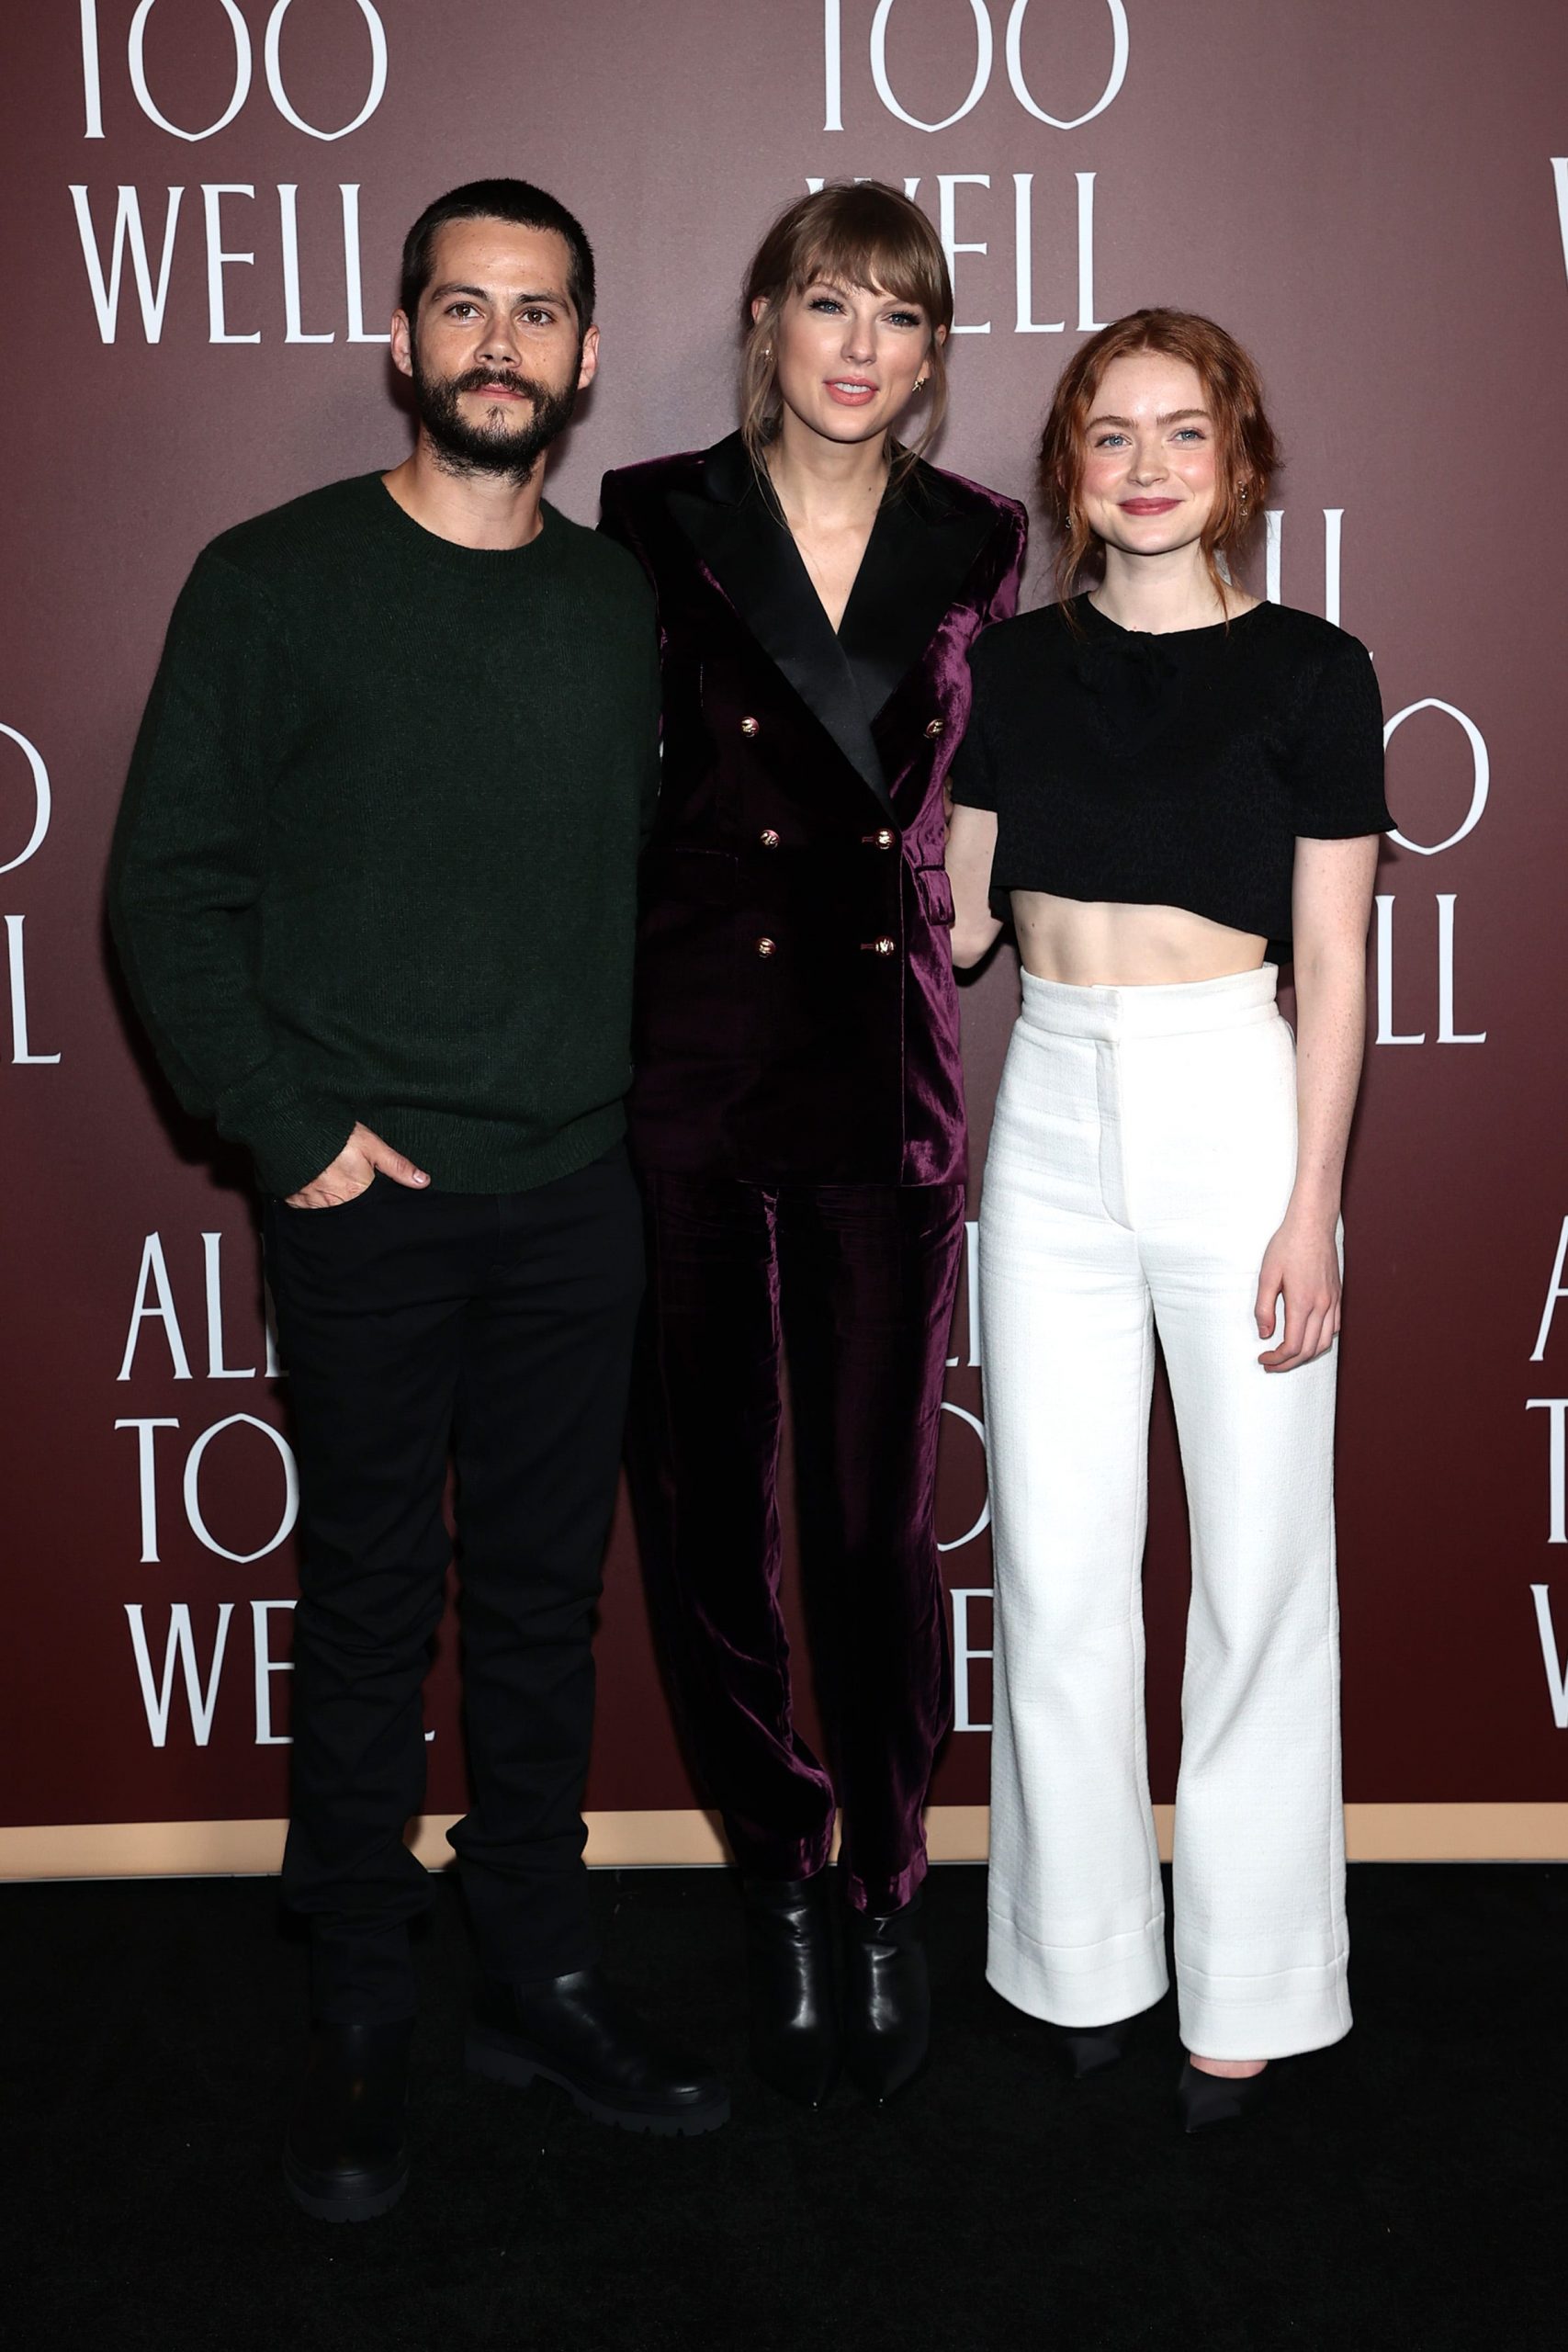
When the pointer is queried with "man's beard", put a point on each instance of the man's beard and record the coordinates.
(490, 448)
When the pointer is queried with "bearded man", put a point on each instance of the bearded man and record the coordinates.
(373, 883)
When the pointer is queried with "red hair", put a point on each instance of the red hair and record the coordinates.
(1247, 452)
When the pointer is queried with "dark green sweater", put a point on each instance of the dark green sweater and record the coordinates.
(376, 855)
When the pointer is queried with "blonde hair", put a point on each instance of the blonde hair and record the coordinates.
(852, 233)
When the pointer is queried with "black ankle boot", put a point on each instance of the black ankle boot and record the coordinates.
(346, 2157)
(790, 1977)
(1204, 2099)
(888, 2006)
(574, 2032)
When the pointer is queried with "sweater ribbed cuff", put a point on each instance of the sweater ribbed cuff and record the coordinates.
(290, 1136)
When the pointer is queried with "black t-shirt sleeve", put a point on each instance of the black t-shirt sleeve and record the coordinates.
(973, 777)
(1335, 769)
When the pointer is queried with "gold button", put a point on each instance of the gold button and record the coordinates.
(884, 839)
(878, 946)
(767, 947)
(769, 840)
(750, 726)
(936, 726)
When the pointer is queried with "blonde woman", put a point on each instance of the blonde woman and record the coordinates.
(798, 1114)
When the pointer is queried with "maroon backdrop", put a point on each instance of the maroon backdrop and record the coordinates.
(203, 204)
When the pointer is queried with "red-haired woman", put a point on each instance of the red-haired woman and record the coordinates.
(1165, 781)
(797, 1112)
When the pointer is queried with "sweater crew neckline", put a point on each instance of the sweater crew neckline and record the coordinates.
(419, 540)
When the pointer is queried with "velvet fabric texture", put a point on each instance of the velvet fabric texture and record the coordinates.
(795, 1013)
(797, 1116)
(854, 1283)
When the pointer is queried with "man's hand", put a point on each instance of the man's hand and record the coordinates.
(363, 1156)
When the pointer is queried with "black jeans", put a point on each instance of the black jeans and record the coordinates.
(497, 1328)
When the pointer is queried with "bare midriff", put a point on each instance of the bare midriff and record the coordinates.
(1090, 943)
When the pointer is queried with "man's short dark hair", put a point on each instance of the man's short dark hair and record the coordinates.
(525, 207)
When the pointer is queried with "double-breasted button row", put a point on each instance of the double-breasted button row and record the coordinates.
(883, 838)
(883, 946)
(934, 726)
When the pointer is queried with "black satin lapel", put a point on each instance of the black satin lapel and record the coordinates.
(758, 566)
(915, 563)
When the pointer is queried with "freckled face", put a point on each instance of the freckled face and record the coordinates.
(1151, 464)
(848, 357)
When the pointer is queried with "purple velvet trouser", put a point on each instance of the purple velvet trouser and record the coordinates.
(852, 1285)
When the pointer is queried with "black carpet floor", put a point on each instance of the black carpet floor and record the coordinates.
(1408, 2189)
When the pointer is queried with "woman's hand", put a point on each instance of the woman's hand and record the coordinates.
(971, 844)
(1331, 900)
(1301, 1262)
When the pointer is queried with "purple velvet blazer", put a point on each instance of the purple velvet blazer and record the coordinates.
(796, 1016)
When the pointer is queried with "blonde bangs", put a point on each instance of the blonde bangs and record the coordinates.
(897, 265)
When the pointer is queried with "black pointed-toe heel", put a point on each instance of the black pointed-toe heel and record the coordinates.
(792, 1982)
(1089, 2049)
(1203, 2100)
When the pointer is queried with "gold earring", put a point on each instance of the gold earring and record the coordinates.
(920, 383)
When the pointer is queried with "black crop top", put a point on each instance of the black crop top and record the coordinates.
(1174, 770)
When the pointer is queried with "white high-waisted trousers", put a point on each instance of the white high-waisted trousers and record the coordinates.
(1142, 1156)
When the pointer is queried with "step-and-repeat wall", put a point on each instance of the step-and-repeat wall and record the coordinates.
(204, 201)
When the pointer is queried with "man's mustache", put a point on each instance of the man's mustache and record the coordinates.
(477, 379)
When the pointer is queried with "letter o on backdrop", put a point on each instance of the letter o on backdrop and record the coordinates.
(983, 47)
(41, 802)
(198, 1526)
(1481, 773)
(280, 98)
(144, 98)
(1021, 90)
(971, 1420)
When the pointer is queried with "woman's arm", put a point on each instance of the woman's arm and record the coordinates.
(971, 840)
(1331, 902)
(971, 827)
